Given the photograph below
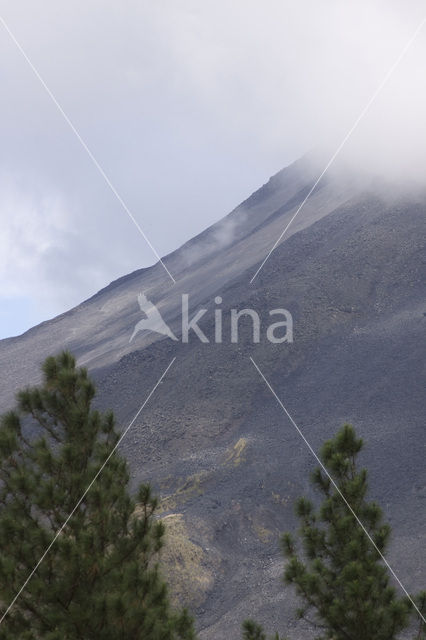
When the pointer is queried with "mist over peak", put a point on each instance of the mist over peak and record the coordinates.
(181, 100)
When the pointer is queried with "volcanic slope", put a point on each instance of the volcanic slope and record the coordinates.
(222, 454)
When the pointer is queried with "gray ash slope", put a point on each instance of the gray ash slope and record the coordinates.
(213, 440)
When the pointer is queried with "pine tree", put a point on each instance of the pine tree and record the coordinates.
(421, 624)
(340, 576)
(100, 578)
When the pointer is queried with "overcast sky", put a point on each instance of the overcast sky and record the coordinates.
(189, 106)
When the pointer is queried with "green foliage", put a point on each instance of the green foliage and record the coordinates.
(100, 578)
(421, 625)
(339, 575)
(253, 631)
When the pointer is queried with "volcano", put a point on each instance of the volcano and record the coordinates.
(225, 459)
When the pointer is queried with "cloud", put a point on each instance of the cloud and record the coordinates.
(297, 75)
(46, 254)
(189, 107)
(215, 239)
(32, 223)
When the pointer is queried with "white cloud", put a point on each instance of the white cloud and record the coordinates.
(188, 106)
(32, 223)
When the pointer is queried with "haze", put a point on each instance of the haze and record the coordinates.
(188, 107)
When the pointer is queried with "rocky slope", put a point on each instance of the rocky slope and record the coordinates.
(224, 457)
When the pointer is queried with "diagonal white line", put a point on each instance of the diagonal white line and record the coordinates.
(337, 489)
(86, 148)
(345, 139)
(59, 531)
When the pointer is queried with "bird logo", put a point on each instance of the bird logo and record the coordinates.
(153, 320)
